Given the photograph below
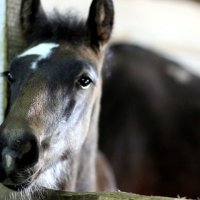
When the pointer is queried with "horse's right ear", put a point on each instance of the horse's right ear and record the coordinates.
(29, 13)
(100, 21)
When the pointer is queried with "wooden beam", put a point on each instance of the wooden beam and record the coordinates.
(3, 54)
(102, 196)
(61, 195)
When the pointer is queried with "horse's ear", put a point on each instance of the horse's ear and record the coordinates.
(29, 13)
(100, 21)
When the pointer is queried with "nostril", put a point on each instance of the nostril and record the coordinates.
(25, 149)
(19, 153)
(28, 154)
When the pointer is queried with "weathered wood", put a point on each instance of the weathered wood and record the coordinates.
(3, 54)
(59, 195)
(102, 196)
(15, 40)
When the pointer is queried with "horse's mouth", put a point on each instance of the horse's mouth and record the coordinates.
(14, 185)
(17, 188)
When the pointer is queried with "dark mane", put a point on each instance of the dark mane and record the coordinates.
(57, 28)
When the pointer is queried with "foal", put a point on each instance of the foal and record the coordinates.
(49, 136)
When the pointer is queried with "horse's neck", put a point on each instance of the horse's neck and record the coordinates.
(86, 177)
(95, 173)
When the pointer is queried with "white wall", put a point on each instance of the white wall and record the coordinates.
(171, 27)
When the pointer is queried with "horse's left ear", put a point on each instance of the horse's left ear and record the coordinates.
(100, 21)
(31, 11)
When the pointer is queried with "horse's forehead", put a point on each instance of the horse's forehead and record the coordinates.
(57, 51)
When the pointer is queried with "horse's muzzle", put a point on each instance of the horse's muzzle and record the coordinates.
(19, 152)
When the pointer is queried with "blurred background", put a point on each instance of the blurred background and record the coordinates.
(169, 27)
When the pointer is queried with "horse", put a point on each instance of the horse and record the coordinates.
(49, 136)
(150, 122)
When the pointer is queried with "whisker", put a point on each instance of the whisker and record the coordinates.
(31, 177)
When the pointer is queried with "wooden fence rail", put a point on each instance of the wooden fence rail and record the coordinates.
(60, 195)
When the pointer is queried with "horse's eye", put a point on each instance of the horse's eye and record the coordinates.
(84, 81)
(9, 77)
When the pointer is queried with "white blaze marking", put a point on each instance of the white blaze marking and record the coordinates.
(42, 50)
